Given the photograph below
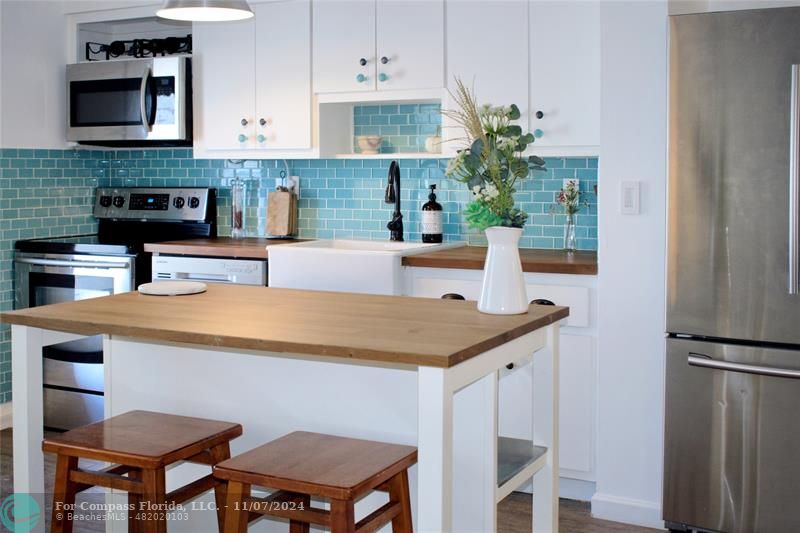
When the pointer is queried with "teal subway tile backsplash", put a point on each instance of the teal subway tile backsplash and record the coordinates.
(403, 128)
(49, 193)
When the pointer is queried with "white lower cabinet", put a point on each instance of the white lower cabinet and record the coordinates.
(577, 366)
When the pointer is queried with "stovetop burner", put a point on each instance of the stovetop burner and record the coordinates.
(76, 244)
(130, 217)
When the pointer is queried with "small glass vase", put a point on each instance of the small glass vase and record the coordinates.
(569, 233)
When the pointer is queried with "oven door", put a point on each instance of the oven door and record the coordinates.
(142, 99)
(43, 279)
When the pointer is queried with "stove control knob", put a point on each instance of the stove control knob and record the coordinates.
(194, 202)
(105, 201)
(119, 201)
(178, 202)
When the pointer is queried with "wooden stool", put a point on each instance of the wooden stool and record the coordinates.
(301, 465)
(140, 444)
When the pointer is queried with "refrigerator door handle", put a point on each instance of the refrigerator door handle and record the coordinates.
(704, 361)
(794, 184)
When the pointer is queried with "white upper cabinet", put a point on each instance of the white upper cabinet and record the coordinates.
(283, 75)
(565, 76)
(344, 46)
(499, 74)
(377, 45)
(223, 83)
(252, 82)
(410, 44)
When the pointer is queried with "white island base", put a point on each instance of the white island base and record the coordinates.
(449, 413)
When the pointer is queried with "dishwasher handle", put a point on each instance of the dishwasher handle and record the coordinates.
(213, 278)
(704, 361)
(71, 264)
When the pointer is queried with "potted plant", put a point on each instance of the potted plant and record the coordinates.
(490, 165)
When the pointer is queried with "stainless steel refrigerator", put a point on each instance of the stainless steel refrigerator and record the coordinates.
(732, 435)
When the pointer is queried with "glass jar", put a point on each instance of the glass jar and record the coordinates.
(238, 207)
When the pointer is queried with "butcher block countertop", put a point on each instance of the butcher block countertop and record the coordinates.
(467, 257)
(533, 260)
(247, 248)
(393, 329)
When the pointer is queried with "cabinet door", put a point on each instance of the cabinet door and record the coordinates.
(498, 73)
(283, 75)
(410, 38)
(565, 72)
(344, 34)
(224, 84)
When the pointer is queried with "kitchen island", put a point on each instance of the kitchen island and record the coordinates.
(407, 370)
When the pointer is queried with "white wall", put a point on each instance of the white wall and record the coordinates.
(33, 56)
(632, 263)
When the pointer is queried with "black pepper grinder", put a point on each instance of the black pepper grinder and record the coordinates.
(432, 219)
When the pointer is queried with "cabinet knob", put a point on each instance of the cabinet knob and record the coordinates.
(242, 137)
(263, 122)
(362, 62)
(261, 138)
(384, 60)
(361, 78)
(538, 133)
(382, 77)
(542, 301)
(539, 114)
(244, 122)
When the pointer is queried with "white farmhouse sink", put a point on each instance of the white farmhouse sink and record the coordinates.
(370, 267)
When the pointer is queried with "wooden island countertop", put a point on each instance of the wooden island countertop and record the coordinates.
(533, 260)
(393, 329)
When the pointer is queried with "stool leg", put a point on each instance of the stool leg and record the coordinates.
(63, 494)
(343, 518)
(236, 517)
(218, 454)
(398, 492)
(133, 501)
(155, 494)
(301, 527)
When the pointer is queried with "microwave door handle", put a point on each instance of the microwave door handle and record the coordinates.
(143, 99)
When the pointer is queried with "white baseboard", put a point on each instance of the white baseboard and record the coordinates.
(627, 510)
(6, 415)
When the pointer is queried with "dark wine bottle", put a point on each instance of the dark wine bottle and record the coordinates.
(432, 219)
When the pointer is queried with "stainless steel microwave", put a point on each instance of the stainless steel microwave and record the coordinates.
(136, 102)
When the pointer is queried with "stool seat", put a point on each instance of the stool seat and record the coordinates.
(143, 439)
(319, 465)
(140, 445)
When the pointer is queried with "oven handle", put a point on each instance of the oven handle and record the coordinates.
(72, 264)
(705, 361)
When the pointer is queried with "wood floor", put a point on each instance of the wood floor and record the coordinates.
(514, 514)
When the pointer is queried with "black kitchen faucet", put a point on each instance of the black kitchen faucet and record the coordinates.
(393, 197)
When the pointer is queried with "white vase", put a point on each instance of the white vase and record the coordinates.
(503, 291)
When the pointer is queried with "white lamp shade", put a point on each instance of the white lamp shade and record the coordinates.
(205, 10)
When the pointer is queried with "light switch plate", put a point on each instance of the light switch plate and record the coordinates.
(629, 197)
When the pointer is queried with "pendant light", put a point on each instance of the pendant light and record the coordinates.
(205, 10)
